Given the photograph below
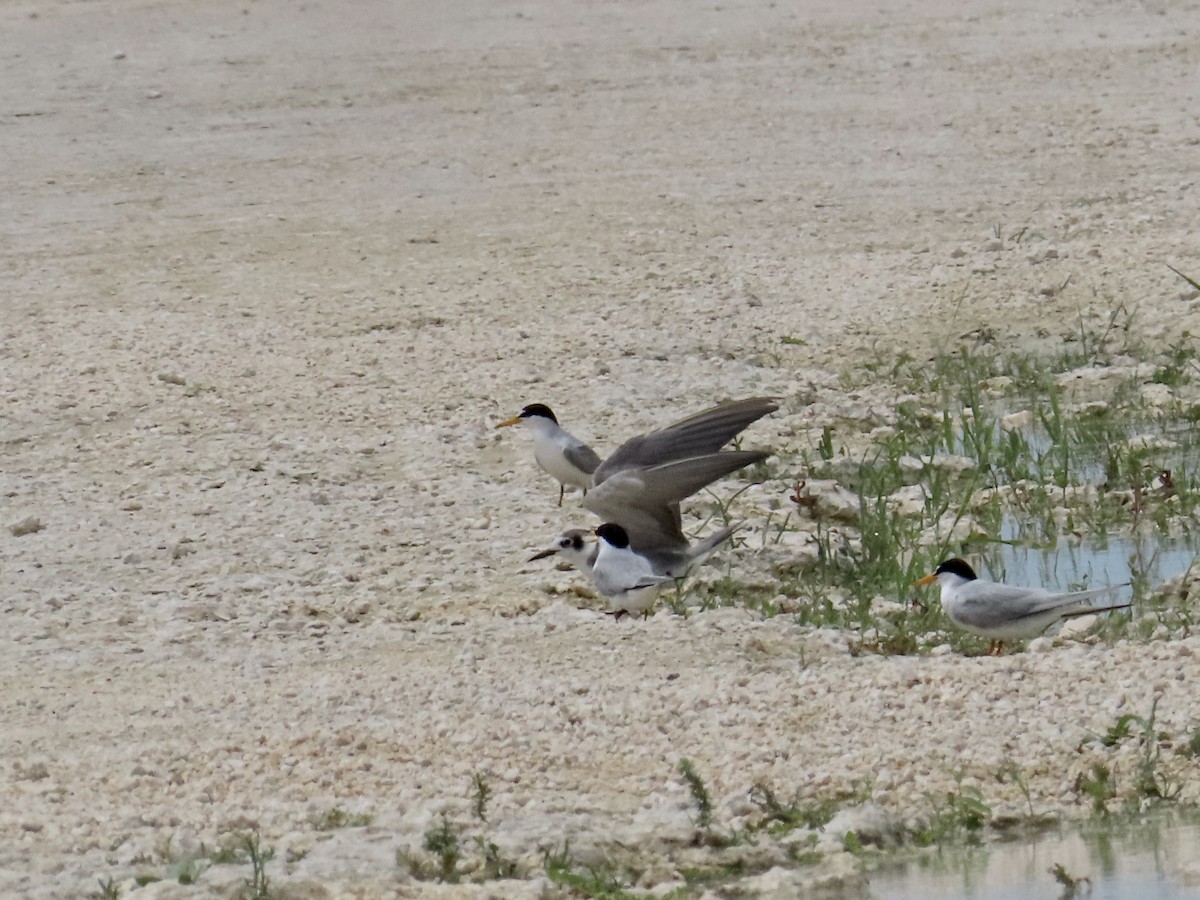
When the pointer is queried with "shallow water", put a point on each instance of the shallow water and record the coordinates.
(1155, 859)
(1074, 564)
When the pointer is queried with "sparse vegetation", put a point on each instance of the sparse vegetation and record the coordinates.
(699, 794)
(604, 882)
(1072, 886)
(188, 871)
(959, 816)
(1149, 784)
(481, 793)
(337, 817)
(781, 817)
(258, 885)
(443, 843)
(1097, 785)
(986, 448)
(445, 847)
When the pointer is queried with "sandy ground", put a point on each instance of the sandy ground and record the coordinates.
(272, 272)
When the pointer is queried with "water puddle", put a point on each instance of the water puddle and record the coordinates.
(1155, 859)
(1150, 558)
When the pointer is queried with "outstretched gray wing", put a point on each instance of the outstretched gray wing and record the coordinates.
(701, 434)
(645, 502)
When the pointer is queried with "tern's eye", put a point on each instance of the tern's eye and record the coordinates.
(565, 543)
(577, 542)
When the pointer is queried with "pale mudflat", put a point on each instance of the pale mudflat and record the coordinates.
(273, 272)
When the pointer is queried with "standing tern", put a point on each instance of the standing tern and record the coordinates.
(624, 576)
(558, 452)
(1003, 612)
(574, 464)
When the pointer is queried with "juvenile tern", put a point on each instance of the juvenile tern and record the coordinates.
(1004, 612)
(573, 463)
(625, 577)
(558, 452)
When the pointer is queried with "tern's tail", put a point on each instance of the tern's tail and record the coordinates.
(702, 550)
(1082, 603)
(1087, 608)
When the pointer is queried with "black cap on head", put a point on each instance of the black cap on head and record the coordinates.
(614, 534)
(538, 409)
(958, 567)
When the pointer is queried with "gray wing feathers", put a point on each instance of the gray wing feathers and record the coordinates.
(649, 526)
(645, 502)
(582, 456)
(1080, 602)
(677, 562)
(1002, 604)
(702, 549)
(675, 481)
(697, 435)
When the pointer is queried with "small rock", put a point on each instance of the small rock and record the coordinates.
(171, 378)
(909, 500)
(949, 462)
(1077, 626)
(1018, 421)
(1150, 442)
(1157, 394)
(829, 500)
(998, 385)
(28, 525)
(871, 824)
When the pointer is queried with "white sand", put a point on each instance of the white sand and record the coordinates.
(273, 272)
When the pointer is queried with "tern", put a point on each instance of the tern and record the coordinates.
(558, 453)
(576, 546)
(574, 464)
(1002, 612)
(622, 575)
